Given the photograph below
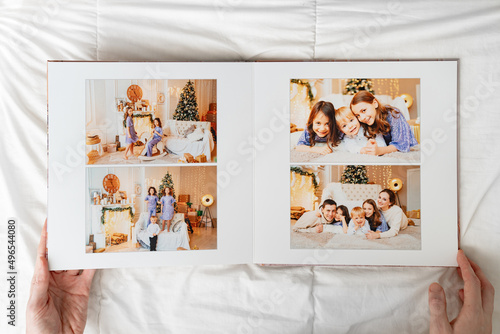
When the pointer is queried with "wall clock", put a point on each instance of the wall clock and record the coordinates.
(134, 93)
(111, 183)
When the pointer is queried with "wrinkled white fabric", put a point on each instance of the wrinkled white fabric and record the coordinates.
(249, 298)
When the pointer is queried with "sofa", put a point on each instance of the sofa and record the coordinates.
(177, 237)
(174, 141)
(350, 195)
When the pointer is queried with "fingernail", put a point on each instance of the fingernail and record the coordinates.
(435, 288)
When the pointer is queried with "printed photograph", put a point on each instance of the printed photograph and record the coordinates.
(131, 209)
(355, 207)
(355, 120)
(151, 121)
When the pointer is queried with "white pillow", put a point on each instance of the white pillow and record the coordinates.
(196, 135)
(177, 226)
(334, 191)
(172, 124)
(399, 103)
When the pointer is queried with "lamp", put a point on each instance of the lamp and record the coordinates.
(207, 201)
(396, 184)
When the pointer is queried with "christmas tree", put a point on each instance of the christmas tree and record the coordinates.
(355, 85)
(354, 174)
(166, 182)
(187, 108)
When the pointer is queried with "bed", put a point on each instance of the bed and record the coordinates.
(252, 298)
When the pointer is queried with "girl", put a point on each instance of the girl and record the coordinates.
(385, 120)
(151, 200)
(130, 134)
(352, 134)
(167, 208)
(342, 218)
(320, 129)
(375, 219)
(394, 216)
(157, 135)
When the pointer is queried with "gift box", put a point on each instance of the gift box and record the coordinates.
(201, 158)
(182, 207)
(189, 158)
(184, 198)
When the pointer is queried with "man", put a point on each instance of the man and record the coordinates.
(310, 222)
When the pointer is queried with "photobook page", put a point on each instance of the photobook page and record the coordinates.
(357, 163)
(150, 164)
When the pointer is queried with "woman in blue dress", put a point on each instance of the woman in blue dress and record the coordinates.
(386, 120)
(130, 134)
(167, 208)
(157, 134)
(151, 200)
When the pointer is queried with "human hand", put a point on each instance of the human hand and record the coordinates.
(477, 297)
(58, 300)
(319, 228)
(372, 235)
(371, 148)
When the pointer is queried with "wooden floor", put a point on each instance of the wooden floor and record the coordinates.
(203, 238)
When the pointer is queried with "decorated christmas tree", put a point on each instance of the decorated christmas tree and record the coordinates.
(187, 108)
(165, 182)
(354, 174)
(355, 85)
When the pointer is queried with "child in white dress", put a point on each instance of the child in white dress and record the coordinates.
(352, 134)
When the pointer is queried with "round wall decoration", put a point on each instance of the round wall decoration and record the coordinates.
(134, 93)
(111, 183)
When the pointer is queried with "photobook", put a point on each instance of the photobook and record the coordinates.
(304, 163)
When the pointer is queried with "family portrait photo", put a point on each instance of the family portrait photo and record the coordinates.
(151, 121)
(357, 120)
(132, 209)
(355, 207)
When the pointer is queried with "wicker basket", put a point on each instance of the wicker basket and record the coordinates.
(93, 156)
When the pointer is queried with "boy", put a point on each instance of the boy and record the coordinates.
(153, 230)
(358, 223)
(352, 134)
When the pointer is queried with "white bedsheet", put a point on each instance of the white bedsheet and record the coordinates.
(249, 298)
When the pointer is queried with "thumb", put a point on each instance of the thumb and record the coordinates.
(439, 322)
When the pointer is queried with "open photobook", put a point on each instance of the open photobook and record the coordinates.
(324, 163)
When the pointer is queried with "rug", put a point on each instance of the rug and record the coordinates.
(412, 157)
(408, 239)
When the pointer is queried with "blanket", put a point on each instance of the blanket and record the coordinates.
(412, 157)
(251, 298)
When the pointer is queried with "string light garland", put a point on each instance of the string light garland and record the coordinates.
(139, 116)
(298, 170)
(116, 210)
(310, 94)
